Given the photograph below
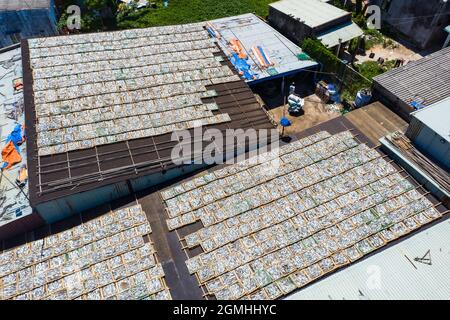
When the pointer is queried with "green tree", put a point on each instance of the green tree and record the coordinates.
(91, 22)
(370, 69)
(96, 15)
(62, 22)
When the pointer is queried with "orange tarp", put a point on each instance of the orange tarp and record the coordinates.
(236, 46)
(18, 84)
(10, 155)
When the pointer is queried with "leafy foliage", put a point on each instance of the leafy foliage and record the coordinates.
(338, 3)
(316, 50)
(373, 37)
(187, 11)
(96, 4)
(96, 15)
(370, 69)
(360, 20)
(91, 22)
(62, 22)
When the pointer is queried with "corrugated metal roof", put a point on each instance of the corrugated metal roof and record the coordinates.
(425, 81)
(344, 32)
(251, 32)
(11, 5)
(151, 154)
(436, 117)
(313, 13)
(393, 273)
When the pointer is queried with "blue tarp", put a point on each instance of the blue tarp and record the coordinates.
(211, 32)
(242, 66)
(263, 55)
(16, 136)
(417, 105)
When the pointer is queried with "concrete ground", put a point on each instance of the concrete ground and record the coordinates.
(314, 112)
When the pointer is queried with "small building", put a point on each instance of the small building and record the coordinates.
(24, 19)
(424, 149)
(416, 85)
(422, 23)
(299, 19)
(268, 53)
(429, 130)
(173, 79)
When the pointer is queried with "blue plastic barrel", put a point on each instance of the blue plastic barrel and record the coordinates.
(362, 98)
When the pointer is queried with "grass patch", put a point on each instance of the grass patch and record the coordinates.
(188, 11)
(373, 38)
(370, 69)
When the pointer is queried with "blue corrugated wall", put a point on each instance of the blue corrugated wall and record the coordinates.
(29, 23)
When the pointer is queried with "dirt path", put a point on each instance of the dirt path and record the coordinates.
(314, 113)
(401, 52)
